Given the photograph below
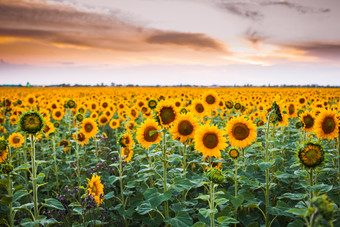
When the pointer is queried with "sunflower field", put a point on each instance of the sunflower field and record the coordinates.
(169, 157)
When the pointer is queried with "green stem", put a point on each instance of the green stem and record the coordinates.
(311, 182)
(184, 194)
(267, 194)
(10, 190)
(55, 161)
(77, 154)
(236, 183)
(34, 182)
(212, 204)
(120, 170)
(166, 206)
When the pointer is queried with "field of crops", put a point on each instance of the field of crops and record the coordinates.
(169, 157)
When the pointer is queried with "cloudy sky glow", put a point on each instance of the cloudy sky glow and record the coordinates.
(170, 42)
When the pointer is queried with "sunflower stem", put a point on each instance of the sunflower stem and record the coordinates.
(212, 203)
(34, 180)
(166, 206)
(184, 194)
(267, 194)
(55, 161)
(236, 183)
(10, 190)
(311, 182)
(120, 170)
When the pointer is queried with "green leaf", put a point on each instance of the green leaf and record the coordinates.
(321, 188)
(181, 184)
(19, 194)
(75, 204)
(221, 201)
(4, 183)
(25, 166)
(226, 221)
(237, 201)
(5, 199)
(144, 208)
(53, 203)
(203, 197)
(109, 195)
(155, 198)
(298, 211)
(182, 219)
(39, 178)
(293, 196)
(78, 211)
(198, 224)
(204, 212)
(296, 223)
(265, 165)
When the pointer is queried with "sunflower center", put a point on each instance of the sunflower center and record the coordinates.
(93, 106)
(127, 140)
(114, 123)
(31, 100)
(103, 120)
(94, 189)
(105, 104)
(233, 153)
(312, 155)
(199, 108)
(81, 137)
(133, 113)
(148, 137)
(240, 131)
(308, 121)
(57, 114)
(178, 104)
(167, 115)
(46, 129)
(185, 128)
(210, 99)
(210, 140)
(16, 139)
(328, 125)
(302, 100)
(88, 127)
(31, 121)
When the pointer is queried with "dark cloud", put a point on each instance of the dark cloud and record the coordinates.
(300, 8)
(185, 39)
(321, 50)
(64, 24)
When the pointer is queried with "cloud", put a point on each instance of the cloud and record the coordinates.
(198, 41)
(330, 51)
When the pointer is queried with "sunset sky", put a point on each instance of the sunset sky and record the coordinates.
(170, 42)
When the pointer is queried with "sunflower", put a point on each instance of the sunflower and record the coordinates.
(198, 108)
(311, 155)
(13, 119)
(81, 137)
(166, 113)
(31, 122)
(209, 140)
(147, 133)
(292, 110)
(237, 106)
(96, 189)
(126, 140)
(3, 149)
(241, 132)
(308, 120)
(210, 99)
(184, 127)
(71, 104)
(58, 114)
(229, 104)
(152, 104)
(103, 120)
(114, 123)
(48, 128)
(94, 116)
(233, 153)
(93, 106)
(214, 165)
(90, 127)
(130, 125)
(16, 140)
(326, 125)
(30, 100)
(127, 154)
(65, 144)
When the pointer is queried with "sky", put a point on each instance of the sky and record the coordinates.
(170, 42)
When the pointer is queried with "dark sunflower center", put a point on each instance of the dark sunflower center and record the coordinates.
(240, 131)
(291, 109)
(103, 120)
(127, 140)
(167, 115)
(114, 123)
(121, 106)
(57, 114)
(229, 104)
(127, 151)
(131, 126)
(308, 121)
(328, 125)
(154, 135)
(133, 113)
(54, 106)
(185, 128)
(64, 143)
(105, 104)
(312, 154)
(210, 140)
(16, 139)
(46, 129)
(210, 99)
(199, 108)
(302, 100)
(81, 137)
(93, 106)
(88, 127)
(31, 100)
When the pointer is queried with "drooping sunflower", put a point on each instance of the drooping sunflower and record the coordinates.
(15, 140)
(326, 125)
(308, 120)
(96, 189)
(214, 165)
(103, 120)
(48, 128)
(147, 133)
(184, 127)
(311, 155)
(65, 144)
(31, 122)
(126, 140)
(209, 140)
(241, 132)
(234, 153)
(114, 123)
(130, 125)
(90, 127)
(81, 137)
(58, 114)
(166, 113)
(127, 154)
